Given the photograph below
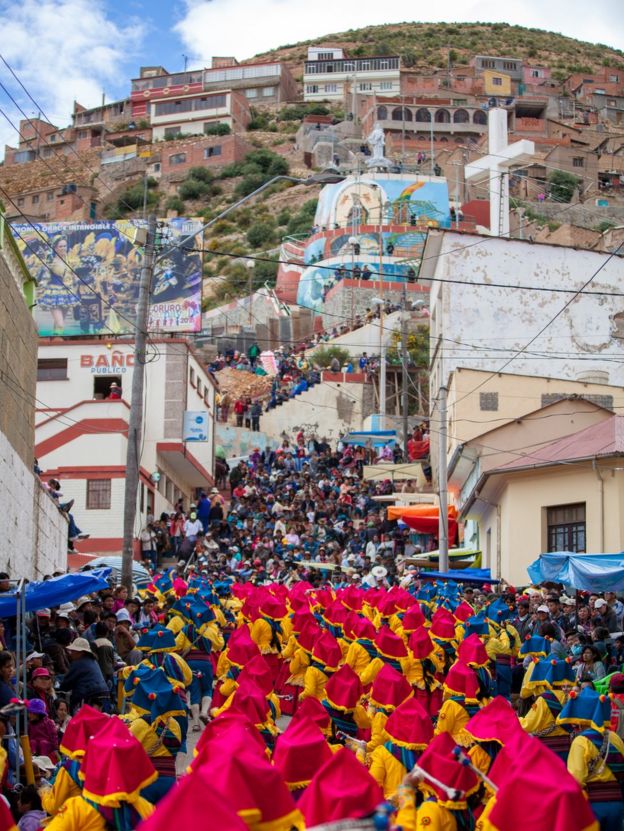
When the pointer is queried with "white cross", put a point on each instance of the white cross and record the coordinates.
(495, 167)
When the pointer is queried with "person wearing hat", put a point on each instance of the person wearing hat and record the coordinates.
(84, 680)
(299, 752)
(114, 772)
(461, 702)
(596, 758)
(389, 689)
(541, 720)
(325, 659)
(41, 687)
(503, 645)
(426, 677)
(409, 731)
(342, 702)
(41, 729)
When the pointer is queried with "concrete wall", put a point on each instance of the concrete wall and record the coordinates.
(326, 410)
(238, 441)
(33, 541)
(349, 298)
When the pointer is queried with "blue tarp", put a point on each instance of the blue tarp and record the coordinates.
(461, 575)
(56, 591)
(584, 572)
(375, 437)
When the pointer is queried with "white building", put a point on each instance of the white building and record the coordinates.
(331, 76)
(500, 306)
(81, 433)
(193, 113)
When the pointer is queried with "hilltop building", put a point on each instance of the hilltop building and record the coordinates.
(330, 75)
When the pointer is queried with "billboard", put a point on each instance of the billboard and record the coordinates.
(88, 277)
(195, 425)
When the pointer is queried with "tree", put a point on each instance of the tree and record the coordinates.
(417, 347)
(562, 185)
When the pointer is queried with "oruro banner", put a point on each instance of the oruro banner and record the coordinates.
(88, 277)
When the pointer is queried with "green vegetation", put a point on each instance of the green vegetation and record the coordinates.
(562, 185)
(260, 233)
(604, 225)
(132, 200)
(174, 203)
(417, 347)
(218, 130)
(324, 355)
(303, 220)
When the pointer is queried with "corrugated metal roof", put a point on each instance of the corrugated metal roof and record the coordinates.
(603, 439)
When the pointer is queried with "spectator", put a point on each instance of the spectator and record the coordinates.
(7, 671)
(29, 806)
(590, 666)
(61, 717)
(192, 527)
(114, 392)
(41, 729)
(203, 511)
(148, 545)
(256, 412)
(41, 688)
(239, 410)
(604, 615)
(84, 681)
(104, 652)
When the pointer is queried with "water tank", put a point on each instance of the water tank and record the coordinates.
(593, 376)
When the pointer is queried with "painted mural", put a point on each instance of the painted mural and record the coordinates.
(359, 207)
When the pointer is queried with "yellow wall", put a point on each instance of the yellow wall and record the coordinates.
(523, 499)
(490, 88)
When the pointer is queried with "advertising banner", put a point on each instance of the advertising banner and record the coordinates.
(88, 277)
(195, 425)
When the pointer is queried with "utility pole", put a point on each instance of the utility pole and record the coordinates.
(404, 373)
(135, 420)
(443, 484)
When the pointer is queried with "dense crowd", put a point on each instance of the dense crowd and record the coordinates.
(328, 678)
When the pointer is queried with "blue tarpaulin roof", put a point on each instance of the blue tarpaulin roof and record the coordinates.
(585, 572)
(55, 591)
(461, 575)
(375, 437)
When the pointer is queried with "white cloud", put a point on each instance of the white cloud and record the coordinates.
(244, 28)
(62, 50)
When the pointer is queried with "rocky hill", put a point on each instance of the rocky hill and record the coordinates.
(433, 45)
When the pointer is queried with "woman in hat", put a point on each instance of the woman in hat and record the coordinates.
(84, 680)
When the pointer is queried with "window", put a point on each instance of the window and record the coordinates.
(312, 89)
(20, 201)
(383, 64)
(536, 73)
(423, 115)
(251, 93)
(98, 494)
(200, 387)
(365, 86)
(52, 139)
(187, 105)
(509, 65)
(498, 82)
(209, 152)
(35, 199)
(172, 132)
(267, 92)
(325, 56)
(177, 158)
(82, 134)
(386, 85)
(331, 87)
(461, 117)
(192, 377)
(488, 64)
(382, 113)
(488, 402)
(614, 79)
(401, 114)
(102, 385)
(52, 369)
(442, 117)
(479, 117)
(578, 161)
(566, 527)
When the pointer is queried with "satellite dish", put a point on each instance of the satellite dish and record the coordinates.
(492, 102)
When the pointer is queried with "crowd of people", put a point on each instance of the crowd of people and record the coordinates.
(324, 678)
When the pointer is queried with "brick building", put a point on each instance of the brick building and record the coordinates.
(174, 158)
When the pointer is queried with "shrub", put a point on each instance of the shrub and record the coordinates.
(249, 184)
(202, 174)
(604, 225)
(260, 232)
(283, 217)
(324, 355)
(218, 130)
(192, 189)
(174, 203)
(562, 185)
(266, 271)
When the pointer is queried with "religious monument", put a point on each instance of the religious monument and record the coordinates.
(495, 168)
(376, 141)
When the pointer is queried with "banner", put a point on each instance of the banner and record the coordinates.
(195, 425)
(88, 277)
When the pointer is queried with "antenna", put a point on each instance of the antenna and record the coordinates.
(186, 59)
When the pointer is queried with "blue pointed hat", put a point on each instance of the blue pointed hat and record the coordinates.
(157, 639)
(200, 613)
(153, 693)
(588, 709)
(134, 678)
(499, 612)
(536, 645)
(476, 625)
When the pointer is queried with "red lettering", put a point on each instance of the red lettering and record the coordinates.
(102, 360)
(117, 359)
(86, 360)
(129, 360)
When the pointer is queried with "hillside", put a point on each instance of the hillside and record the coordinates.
(429, 45)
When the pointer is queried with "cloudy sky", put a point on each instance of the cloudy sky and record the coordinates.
(63, 50)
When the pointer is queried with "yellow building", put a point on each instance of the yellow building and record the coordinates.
(496, 83)
(567, 495)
